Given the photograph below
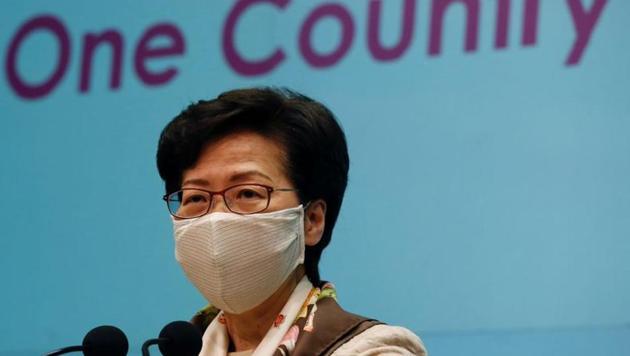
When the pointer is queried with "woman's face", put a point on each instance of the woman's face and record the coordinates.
(242, 157)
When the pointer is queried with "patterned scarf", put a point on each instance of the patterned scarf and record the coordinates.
(302, 323)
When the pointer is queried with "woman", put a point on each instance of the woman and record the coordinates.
(255, 179)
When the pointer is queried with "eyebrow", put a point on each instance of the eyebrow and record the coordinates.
(244, 175)
(196, 181)
(234, 178)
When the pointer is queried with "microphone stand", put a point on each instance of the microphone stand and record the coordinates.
(145, 346)
(65, 350)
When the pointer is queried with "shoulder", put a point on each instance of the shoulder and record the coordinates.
(383, 340)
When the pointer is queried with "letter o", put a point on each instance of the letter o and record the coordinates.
(342, 15)
(56, 27)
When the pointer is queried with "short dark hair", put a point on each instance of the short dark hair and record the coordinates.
(315, 146)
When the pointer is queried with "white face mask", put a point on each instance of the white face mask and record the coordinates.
(238, 261)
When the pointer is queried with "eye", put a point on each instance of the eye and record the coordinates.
(194, 198)
(248, 193)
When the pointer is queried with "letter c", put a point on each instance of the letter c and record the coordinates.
(234, 59)
(54, 26)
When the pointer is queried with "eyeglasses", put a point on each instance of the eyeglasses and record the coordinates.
(189, 203)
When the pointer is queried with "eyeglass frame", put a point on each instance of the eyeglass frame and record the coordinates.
(222, 194)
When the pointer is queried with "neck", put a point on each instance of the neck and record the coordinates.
(247, 330)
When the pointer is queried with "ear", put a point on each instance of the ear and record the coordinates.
(314, 222)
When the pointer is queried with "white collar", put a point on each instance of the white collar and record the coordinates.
(216, 339)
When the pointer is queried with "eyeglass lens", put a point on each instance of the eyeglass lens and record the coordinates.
(242, 199)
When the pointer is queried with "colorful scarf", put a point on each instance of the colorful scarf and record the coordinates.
(302, 323)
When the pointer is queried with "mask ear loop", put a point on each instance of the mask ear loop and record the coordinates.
(304, 208)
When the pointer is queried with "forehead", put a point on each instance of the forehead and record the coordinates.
(236, 158)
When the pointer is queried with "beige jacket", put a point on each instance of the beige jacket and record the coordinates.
(377, 340)
(383, 340)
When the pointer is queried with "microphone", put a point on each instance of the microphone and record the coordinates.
(179, 338)
(103, 340)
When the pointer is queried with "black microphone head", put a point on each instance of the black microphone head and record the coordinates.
(182, 339)
(105, 340)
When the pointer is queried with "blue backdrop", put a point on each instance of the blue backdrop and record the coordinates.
(488, 208)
